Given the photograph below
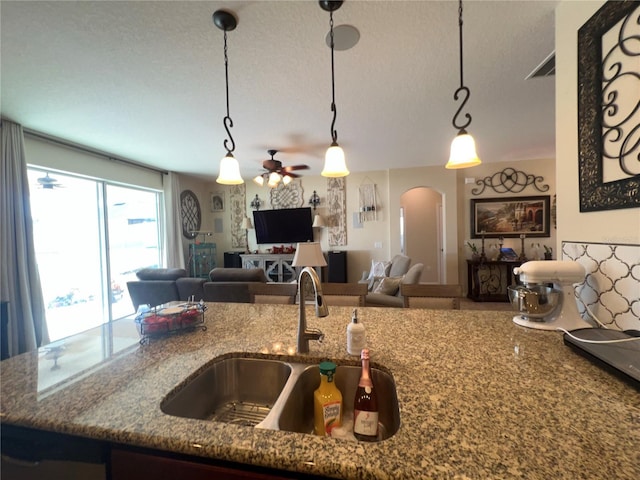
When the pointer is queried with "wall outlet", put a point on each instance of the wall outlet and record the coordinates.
(377, 244)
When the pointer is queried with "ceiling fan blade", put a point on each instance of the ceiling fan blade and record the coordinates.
(296, 167)
(292, 175)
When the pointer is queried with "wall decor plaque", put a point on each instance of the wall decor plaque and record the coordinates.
(609, 108)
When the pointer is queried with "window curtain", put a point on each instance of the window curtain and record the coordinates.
(19, 278)
(175, 254)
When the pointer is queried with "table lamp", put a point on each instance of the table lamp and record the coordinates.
(309, 254)
(246, 225)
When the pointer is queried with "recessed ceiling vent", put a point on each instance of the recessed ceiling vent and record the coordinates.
(546, 69)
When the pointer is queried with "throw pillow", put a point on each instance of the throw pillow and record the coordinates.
(380, 269)
(388, 286)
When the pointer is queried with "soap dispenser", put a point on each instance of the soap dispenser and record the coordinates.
(355, 335)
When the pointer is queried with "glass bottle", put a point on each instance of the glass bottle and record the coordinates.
(365, 408)
(327, 401)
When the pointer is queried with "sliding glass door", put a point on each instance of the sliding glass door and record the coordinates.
(90, 239)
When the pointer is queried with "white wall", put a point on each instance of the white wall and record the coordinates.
(612, 226)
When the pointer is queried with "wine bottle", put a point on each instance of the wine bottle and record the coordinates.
(365, 408)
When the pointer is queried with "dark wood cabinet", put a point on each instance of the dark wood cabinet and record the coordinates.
(142, 465)
(488, 280)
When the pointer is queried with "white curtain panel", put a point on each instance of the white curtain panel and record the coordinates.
(175, 253)
(19, 278)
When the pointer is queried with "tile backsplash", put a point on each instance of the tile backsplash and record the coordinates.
(611, 289)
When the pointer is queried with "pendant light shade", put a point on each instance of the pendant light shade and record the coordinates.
(334, 161)
(463, 148)
(463, 152)
(229, 171)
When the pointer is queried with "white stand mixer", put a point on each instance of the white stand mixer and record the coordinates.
(546, 308)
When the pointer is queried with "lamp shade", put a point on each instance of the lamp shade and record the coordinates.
(246, 223)
(309, 254)
(274, 179)
(259, 180)
(229, 171)
(334, 163)
(318, 221)
(463, 152)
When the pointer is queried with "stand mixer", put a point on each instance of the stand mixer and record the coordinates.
(543, 307)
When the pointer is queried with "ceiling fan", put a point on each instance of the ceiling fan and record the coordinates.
(48, 182)
(275, 172)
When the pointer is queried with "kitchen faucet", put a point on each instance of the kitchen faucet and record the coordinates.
(305, 334)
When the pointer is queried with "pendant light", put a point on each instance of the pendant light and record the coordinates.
(463, 148)
(229, 168)
(334, 162)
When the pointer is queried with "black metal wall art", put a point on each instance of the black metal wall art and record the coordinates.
(609, 108)
(510, 180)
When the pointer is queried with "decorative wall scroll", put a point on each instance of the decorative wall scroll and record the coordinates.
(337, 221)
(510, 180)
(609, 108)
(510, 217)
(287, 196)
(237, 204)
(368, 202)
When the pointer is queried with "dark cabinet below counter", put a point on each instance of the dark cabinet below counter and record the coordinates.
(142, 465)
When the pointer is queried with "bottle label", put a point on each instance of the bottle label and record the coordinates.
(331, 414)
(365, 423)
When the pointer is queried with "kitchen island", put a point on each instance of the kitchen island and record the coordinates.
(479, 397)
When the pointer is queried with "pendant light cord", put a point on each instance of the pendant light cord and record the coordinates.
(334, 133)
(461, 89)
(228, 123)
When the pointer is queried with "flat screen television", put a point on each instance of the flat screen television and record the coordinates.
(286, 225)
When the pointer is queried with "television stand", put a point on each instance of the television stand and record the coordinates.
(277, 266)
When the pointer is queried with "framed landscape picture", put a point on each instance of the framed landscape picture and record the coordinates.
(510, 217)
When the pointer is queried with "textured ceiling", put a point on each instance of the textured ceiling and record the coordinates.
(145, 80)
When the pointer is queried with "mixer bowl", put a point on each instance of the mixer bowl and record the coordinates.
(535, 302)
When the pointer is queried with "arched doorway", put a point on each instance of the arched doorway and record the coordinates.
(422, 231)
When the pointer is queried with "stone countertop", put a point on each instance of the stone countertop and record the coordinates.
(479, 397)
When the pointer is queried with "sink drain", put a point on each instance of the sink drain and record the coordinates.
(241, 413)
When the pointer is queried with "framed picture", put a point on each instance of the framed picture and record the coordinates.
(510, 217)
(216, 202)
(608, 115)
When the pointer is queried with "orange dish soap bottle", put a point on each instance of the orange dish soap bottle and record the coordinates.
(327, 401)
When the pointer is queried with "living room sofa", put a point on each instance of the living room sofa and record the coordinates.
(156, 286)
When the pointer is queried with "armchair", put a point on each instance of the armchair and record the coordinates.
(388, 292)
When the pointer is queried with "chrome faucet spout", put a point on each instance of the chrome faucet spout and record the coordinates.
(305, 334)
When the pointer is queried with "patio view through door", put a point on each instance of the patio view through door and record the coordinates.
(90, 238)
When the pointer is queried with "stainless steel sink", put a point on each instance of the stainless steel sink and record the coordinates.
(296, 414)
(272, 394)
(230, 390)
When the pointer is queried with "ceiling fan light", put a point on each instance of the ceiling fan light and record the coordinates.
(334, 163)
(259, 180)
(229, 171)
(274, 179)
(463, 152)
(286, 179)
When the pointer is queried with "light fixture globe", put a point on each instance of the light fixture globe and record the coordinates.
(463, 152)
(229, 171)
(334, 162)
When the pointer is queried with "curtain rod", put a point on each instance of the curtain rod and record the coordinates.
(82, 148)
